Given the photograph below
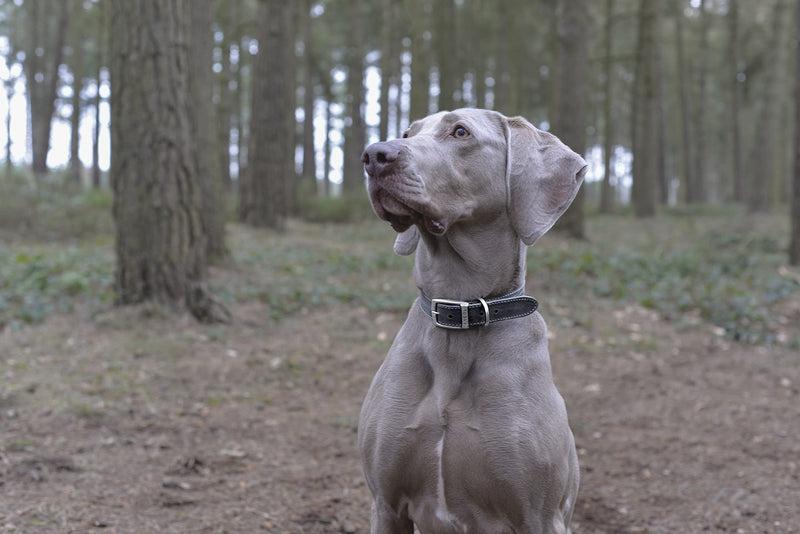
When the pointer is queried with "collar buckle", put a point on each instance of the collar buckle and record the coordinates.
(464, 313)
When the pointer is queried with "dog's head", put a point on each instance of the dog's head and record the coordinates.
(471, 165)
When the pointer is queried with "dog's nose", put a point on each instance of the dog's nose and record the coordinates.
(378, 156)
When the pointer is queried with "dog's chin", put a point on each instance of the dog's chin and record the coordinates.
(401, 216)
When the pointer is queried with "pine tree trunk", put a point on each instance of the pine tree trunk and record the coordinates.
(644, 116)
(42, 78)
(685, 111)
(420, 75)
(735, 96)
(445, 15)
(309, 155)
(606, 188)
(569, 120)
(794, 244)
(225, 94)
(502, 78)
(699, 114)
(75, 124)
(102, 43)
(764, 152)
(9, 97)
(264, 188)
(388, 53)
(160, 243)
(204, 127)
(355, 135)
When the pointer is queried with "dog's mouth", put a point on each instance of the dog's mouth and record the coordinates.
(401, 215)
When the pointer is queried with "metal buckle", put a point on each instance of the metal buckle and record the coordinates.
(464, 313)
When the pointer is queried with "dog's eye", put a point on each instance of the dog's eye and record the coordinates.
(460, 132)
(405, 135)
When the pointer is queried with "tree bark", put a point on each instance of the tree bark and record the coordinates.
(204, 127)
(571, 96)
(606, 188)
(160, 243)
(225, 93)
(9, 96)
(420, 68)
(42, 78)
(794, 244)
(735, 97)
(699, 114)
(75, 165)
(102, 43)
(763, 154)
(644, 116)
(445, 16)
(685, 111)
(502, 77)
(387, 64)
(264, 188)
(309, 155)
(355, 133)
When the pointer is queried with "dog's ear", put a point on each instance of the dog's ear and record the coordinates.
(406, 242)
(543, 176)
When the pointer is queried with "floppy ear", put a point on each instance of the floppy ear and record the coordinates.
(406, 242)
(542, 178)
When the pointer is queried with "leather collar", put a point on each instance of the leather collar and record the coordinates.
(462, 315)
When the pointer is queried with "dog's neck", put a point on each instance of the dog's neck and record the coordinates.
(469, 261)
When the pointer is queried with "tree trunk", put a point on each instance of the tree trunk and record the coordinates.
(699, 114)
(225, 93)
(75, 125)
(326, 149)
(685, 99)
(661, 120)
(571, 93)
(387, 62)
(735, 98)
(420, 69)
(764, 148)
(160, 242)
(355, 134)
(794, 244)
(204, 127)
(264, 188)
(502, 78)
(644, 116)
(445, 16)
(239, 121)
(309, 155)
(42, 78)
(9, 98)
(607, 189)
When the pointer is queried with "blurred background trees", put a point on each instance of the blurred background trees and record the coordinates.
(677, 102)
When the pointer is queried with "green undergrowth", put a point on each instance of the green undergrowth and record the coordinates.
(721, 267)
(294, 273)
(733, 280)
(34, 284)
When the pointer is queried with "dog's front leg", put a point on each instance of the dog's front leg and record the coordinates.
(387, 521)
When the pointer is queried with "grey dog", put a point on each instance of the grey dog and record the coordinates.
(463, 430)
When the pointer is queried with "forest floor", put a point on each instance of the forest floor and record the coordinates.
(131, 420)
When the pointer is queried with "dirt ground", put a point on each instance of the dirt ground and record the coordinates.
(133, 421)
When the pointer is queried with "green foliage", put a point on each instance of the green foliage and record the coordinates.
(51, 212)
(35, 284)
(730, 280)
(337, 266)
(346, 208)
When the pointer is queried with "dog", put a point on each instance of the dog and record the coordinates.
(463, 430)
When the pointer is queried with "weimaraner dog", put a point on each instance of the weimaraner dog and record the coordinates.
(463, 430)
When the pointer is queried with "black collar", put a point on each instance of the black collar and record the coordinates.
(462, 315)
